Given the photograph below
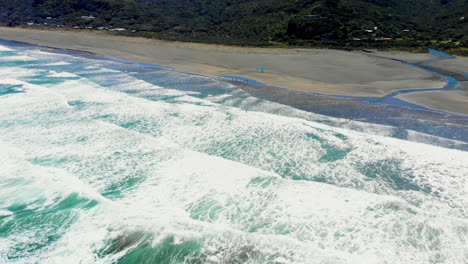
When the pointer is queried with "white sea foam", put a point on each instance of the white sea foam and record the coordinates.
(62, 74)
(35, 100)
(60, 63)
(17, 58)
(95, 69)
(4, 48)
(15, 73)
(37, 180)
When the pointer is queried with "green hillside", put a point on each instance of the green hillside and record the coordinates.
(360, 23)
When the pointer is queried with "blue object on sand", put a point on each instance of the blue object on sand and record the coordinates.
(261, 69)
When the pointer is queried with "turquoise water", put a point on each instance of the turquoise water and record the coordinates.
(108, 162)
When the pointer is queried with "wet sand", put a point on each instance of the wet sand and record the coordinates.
(458, 64)
(451, 100)
(309, 70)
(414, 58)
(323, 71)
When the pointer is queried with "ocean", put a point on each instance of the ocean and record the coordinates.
(104, 161)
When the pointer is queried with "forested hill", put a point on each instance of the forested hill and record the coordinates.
(254, 22)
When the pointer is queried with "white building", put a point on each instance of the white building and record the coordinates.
(88, 17)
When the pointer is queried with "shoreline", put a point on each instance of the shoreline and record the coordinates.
(240, 80)
(349, 110)
(193, 54)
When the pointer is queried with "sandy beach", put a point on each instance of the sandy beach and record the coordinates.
(310, 70)
(458, 64)
(451, 100)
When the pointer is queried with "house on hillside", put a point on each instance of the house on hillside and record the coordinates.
(87, 17)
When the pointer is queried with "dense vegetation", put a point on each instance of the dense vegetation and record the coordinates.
(344, 23)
